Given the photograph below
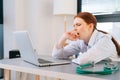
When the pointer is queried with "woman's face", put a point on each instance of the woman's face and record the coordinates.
(82, 28)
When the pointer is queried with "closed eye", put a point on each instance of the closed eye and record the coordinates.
(78, 24)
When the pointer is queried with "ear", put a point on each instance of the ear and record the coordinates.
(91, 26)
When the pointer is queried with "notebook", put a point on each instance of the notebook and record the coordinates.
(29, 54)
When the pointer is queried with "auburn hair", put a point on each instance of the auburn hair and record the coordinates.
(89, 18)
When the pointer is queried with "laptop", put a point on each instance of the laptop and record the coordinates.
(29, 54)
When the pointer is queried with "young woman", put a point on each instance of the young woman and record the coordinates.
(88, 43)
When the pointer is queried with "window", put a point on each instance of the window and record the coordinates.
(108, 12)
(98, 7)
(111, 27)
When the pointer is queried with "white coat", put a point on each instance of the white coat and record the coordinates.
(100, 47)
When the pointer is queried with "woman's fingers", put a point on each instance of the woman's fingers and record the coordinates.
(73, 35)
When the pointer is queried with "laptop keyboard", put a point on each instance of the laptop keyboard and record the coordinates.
(42, 61)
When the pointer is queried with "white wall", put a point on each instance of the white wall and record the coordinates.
(37, 17)
(14, 19)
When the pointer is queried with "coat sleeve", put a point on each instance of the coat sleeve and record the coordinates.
(67, 51)
(102, 49)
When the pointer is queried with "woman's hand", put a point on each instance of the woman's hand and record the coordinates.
(71, 35)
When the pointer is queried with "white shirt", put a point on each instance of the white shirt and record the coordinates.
(100, 47)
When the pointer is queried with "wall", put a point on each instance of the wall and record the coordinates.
(35, 16)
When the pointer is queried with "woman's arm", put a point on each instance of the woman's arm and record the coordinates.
(104, 48)
(72, 48)
(70, 35)
(61, 50)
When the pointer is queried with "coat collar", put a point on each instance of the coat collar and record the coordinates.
(93, 38)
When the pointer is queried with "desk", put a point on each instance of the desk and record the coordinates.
(66, 72)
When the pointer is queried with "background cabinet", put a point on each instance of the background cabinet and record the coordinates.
(1, 35)
(1, 11)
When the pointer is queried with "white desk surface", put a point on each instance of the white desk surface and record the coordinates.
(66, 72)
